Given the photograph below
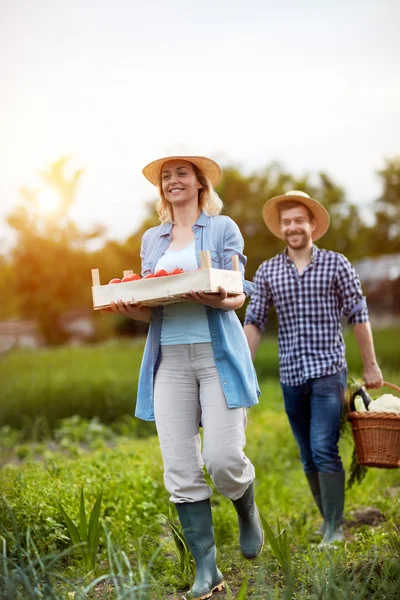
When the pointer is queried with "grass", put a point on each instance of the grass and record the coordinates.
(66, 423)
(135, 510)
(39, 388)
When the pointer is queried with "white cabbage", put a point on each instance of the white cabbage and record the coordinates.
(385, 404)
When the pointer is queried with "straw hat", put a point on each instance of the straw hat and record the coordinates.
(320, 214)
(209, 167)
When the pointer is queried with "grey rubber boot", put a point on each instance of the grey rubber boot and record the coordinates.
(250, 530)
(332, 497)
(313, 482)
(196, 521)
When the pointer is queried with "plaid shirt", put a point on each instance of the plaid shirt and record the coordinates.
(309, 308)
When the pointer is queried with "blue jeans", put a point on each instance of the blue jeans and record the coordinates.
(314, 409)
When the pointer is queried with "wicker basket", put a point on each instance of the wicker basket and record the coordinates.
(377, 437)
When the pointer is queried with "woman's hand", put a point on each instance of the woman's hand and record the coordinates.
(132, 311)
(221, 300)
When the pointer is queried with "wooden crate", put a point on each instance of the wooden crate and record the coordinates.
(158, 291)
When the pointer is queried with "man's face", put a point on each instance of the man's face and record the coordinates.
(296, 227)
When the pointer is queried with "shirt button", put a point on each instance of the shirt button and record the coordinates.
(224, 382)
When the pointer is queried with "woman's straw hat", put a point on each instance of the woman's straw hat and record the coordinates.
(320, 214)
(209, 167)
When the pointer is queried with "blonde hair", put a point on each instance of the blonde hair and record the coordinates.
(209, 201)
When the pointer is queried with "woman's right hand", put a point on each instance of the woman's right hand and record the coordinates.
(132, 311)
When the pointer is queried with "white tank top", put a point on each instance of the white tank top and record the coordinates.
(183, 322)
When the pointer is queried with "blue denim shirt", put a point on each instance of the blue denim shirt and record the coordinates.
(221, 236)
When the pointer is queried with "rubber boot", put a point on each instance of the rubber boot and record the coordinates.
(313, 482)
(250, 530)
(196, 521)
(332, 497)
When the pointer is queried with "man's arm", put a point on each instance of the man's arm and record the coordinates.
(256, 316)
(372, 373)
(253, 335)
(356, 310)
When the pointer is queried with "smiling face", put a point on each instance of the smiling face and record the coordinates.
(179, 183)
(297, 227)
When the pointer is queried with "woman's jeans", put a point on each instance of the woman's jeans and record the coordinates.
(187, 389)
(314, 410)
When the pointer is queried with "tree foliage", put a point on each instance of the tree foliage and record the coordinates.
(385, 236)
(50, 261)
(48, 272)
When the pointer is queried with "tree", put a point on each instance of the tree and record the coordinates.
(385, 235)
(245, 196)
(50, 261)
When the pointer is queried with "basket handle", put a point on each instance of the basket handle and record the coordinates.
(391, 385)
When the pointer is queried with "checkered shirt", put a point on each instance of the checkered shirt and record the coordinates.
(309, 308)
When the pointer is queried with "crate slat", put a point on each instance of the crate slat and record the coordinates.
(166, 290)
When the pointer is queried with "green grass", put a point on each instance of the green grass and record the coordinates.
(41, 387)
(38, 388)
(65, 422)
(135, 505)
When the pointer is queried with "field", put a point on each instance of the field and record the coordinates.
(48, 455)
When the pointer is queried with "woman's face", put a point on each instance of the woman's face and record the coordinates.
(179, 182)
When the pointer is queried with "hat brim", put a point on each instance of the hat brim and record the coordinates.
(209, 167)
(272, 217)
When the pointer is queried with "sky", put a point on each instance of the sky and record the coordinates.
(314, 85)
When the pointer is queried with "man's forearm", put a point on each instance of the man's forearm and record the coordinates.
(372, 373)
(253, 335)
(363, 335)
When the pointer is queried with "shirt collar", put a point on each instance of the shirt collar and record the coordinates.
(314, 254)
(201, 222)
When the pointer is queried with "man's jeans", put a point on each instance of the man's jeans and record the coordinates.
(314, 409)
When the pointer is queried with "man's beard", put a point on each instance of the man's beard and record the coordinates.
(297, 242)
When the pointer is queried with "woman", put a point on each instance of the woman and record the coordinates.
(196, 367)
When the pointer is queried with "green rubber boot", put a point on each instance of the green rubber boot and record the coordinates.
(196, 521)
(250, 530)
(313, 482)
(332, 497)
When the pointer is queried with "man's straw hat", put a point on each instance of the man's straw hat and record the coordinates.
(320, 214)
(209, 167)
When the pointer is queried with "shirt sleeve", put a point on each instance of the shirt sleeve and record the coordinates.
(143, 253)
(234, 244)
(261, 301)
(349, 290)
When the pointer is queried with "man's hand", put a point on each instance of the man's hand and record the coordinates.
(372, 373)
(253, 335)
(373, 376)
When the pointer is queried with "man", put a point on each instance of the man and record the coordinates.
(311, 289)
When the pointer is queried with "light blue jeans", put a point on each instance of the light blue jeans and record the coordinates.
(314, 410)
(187, 390)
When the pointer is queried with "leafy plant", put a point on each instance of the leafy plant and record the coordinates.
(186, 562)
(31, 576)
(84, 535)
(357, 471)
(241, 595)
(279, 545)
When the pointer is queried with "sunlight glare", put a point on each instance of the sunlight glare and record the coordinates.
(48, 201)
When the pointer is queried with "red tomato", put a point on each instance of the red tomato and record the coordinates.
(160, 273)
(149, 276)
(176, 271)
(133, 277)
(115, 280)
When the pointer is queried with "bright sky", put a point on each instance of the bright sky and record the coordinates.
(313, 84)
